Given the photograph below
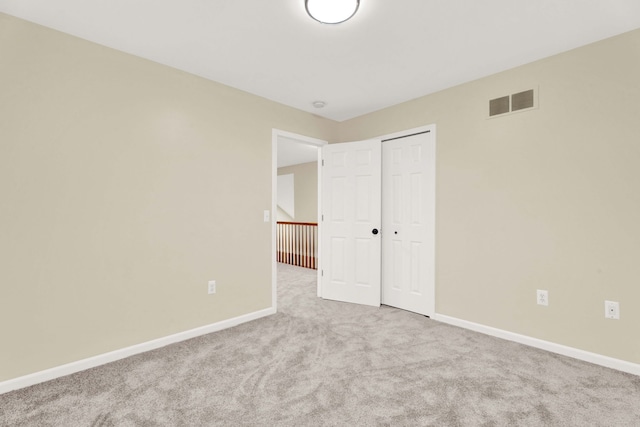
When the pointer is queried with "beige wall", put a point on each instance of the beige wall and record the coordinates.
(116, 178)
(543, 199)
(305, 178)
(116, 175)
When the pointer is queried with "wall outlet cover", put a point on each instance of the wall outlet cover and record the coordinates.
(542, 297)
(612, 310)
(211, 289)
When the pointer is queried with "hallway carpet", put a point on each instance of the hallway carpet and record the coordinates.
(326, 363)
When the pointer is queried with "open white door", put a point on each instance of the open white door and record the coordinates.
(351, 197)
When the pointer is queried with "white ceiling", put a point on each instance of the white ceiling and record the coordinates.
(293, 152)
(390, 52)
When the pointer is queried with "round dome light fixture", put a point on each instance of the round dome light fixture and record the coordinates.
(319, 104)
(331, 11)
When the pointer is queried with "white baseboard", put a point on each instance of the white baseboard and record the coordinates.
(597, 359)
(102, 359)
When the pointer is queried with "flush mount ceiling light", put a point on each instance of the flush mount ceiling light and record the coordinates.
(331, 11)
(319, 104)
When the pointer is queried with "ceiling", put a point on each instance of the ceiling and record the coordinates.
(293, 152)
(390, 52)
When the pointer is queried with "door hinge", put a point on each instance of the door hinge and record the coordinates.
(321, 273)
(322, 162)
(322, 217)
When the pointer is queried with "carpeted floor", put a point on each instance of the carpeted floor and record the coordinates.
(325, 363)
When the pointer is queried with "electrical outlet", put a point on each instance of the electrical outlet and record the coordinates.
(612, 310)
(212, 287)
(542, 297)
(266, 216)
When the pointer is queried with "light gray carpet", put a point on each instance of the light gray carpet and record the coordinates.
(328, 363)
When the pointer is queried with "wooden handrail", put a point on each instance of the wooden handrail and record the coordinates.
(297, 243)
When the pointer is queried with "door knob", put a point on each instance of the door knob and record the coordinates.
(374, 231)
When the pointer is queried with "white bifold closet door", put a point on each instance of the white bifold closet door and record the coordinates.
(378, 221)
(408, 186)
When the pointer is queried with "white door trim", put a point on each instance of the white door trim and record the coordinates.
(276, 134)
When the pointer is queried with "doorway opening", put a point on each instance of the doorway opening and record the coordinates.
(410, 275)
(294, 207)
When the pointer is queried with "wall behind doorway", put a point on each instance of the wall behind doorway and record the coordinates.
(305, 192)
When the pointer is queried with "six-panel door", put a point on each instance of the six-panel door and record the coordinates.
(408, 223)
(351, 193)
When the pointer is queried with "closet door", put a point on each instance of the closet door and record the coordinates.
(351, 243)
(408, 216)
